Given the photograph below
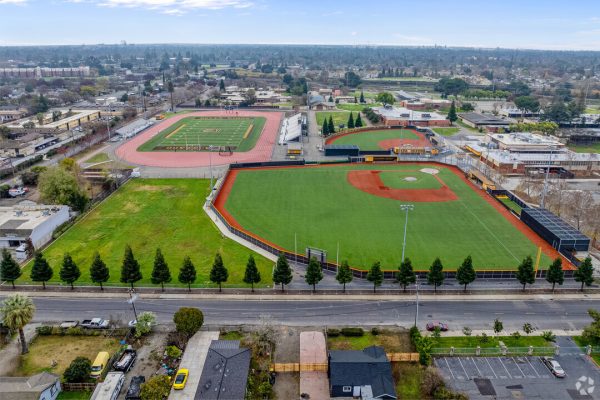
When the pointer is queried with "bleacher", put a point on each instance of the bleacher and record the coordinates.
(132, 129)
(291, 129)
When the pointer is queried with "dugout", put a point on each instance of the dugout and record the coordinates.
(562, 236)
(350, 150)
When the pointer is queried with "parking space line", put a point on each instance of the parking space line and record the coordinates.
(531, 365)
(449, 369)
(506, 369)
(490, 365)
(463, 367)
(517, 364)
(478, 371)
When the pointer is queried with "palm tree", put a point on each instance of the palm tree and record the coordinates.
(17, 311)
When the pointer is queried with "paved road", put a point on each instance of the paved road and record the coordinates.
(544, 314)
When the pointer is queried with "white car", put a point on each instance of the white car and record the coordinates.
(554, 367)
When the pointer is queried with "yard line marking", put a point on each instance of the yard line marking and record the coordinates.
(517, 364)
(534, 370)
(490, 365)
(449, 369)
(475, 364)
(506, 369)
(463, 367)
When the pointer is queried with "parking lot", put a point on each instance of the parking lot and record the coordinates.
(520, 377)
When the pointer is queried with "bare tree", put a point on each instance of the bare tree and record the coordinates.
(579, 203)
(556, 196)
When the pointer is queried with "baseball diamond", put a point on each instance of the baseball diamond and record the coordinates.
(358, 206)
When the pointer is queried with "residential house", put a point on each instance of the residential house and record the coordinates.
(43, 386)
(365, 374)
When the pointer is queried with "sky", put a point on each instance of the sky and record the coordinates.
(532, 24)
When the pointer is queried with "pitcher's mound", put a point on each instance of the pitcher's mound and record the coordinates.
(431, 171)
(410, 179)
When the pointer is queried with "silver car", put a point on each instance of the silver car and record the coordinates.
(554, 367)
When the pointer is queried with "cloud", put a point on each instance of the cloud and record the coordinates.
(331, 14)
(13, 1)
(175, 7)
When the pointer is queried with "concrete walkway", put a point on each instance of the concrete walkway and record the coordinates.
(12, 351)
(313, 350)
(193, 359)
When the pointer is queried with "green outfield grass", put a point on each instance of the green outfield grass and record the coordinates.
(369, 140)
(356, 107)
(446, 131)
(323, 209)
(151, 213)
(590, 148)
(195, 133)
(339, 117)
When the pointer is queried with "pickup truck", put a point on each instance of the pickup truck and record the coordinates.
(68, 324)
(126, 361)
(95, 323)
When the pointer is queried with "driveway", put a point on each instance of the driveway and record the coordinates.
(193, 359)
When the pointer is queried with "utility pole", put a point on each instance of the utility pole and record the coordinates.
(132, 298)
(417, 310)
(406, 208)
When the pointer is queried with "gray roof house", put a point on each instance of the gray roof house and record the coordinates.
(225, 372)
(363, 373)
(43, 386)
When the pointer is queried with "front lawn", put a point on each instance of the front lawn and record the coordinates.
(392, 342)
(408, 377)
(146, 214)
(73, 396)
(44, 350)
(446, 131)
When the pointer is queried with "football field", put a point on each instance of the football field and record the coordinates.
(237, 134)
(357, 207)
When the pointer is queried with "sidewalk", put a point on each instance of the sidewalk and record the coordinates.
(306, 297)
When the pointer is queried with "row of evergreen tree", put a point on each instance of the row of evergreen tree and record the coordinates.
(328, 127)
(282, 274)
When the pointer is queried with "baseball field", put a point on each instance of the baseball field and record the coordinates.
(381, 139)
(198, 133)
(358, 207)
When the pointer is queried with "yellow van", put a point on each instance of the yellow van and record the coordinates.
(99, 364)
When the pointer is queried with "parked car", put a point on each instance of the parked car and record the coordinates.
(554, 367)
(432, 325)
(19, 191)
(95, 323)
(135, 388)
(126, 361)
(99, 364)
(180, 379)
(68, 324)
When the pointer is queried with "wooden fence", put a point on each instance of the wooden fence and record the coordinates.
(78, 387)
(322, 367)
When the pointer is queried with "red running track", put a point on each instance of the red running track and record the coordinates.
(185, 159)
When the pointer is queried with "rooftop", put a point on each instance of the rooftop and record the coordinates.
(555, 224)
(524, 138)
(402, 113)
(25, 217)
(483, 119)
(225, 372)
(25, 388)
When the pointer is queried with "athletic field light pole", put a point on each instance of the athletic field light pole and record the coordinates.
(543, 202)
(406, 208)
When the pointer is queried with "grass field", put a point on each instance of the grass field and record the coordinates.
(197, 133)
(492, 341)
(369, 140)
(590, 148)
(339, 117)
(323, 209)
(151, 213)
(63, 350)
(356, 107)
(98, 158)
(446, 131)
